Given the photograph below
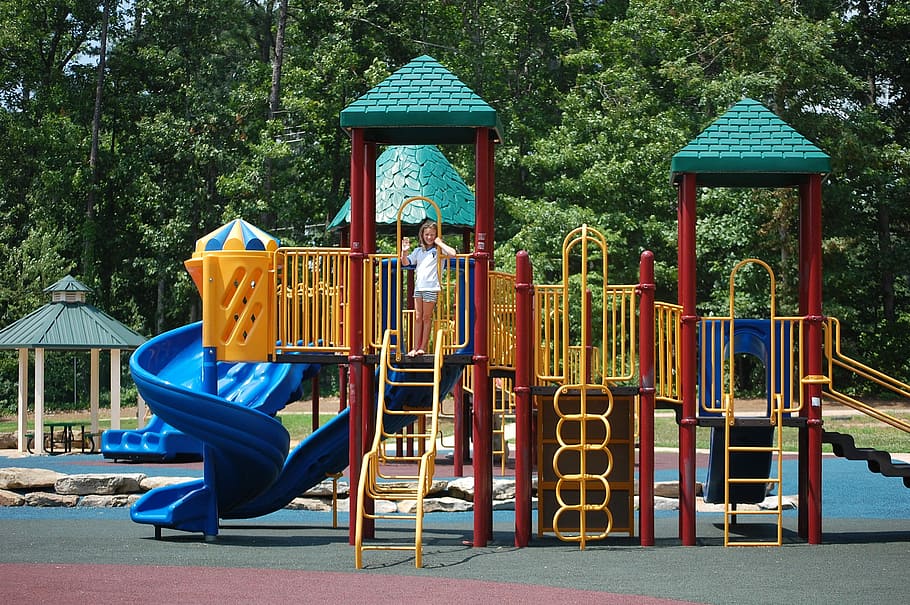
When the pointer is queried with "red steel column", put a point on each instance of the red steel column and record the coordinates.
(646, 399)
(811, 265)
(688, 344)
(368, 371)
(355, 327)
(524, 351)
(483, 415)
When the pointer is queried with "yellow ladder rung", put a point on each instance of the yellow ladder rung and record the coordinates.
(398, 547)
(770, 511)
(389, 516)
(753, 480)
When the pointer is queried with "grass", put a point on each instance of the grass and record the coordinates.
(866, 431)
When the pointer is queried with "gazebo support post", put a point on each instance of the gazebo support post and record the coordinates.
(94, 388)
(39, 401)
(23, 400)
(115, 388)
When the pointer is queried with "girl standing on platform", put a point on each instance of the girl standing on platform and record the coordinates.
(426, 280)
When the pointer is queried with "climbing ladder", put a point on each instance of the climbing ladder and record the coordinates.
(732, 447)
(382, 476)
(744, 436)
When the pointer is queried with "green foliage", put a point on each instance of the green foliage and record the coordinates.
(595, 98)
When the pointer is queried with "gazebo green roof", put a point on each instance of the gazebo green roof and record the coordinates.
(749, 146)
(68, 323)
(421, 103)
(406, 171)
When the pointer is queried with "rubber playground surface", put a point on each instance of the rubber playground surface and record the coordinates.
(99, 555)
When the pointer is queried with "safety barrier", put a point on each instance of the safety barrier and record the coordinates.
(312, 299)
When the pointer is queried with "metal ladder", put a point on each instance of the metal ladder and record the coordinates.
(378, 477)
(776, 451)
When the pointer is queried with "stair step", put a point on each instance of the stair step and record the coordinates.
(877, 461)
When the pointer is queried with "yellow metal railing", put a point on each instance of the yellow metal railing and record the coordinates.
(386, 301)
(503, 410)
(382, 473)
(501, 320)
(668, 319)
(613, 356)
(836, 359)
(312, 299)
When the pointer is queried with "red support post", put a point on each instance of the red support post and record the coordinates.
(688, 366)
(368, 371)
(355, 327)
(483, 414)
(646, 399)
(811, 274)
(524, 356)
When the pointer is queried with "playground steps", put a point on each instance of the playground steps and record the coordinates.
(379, 478)
(878, 461)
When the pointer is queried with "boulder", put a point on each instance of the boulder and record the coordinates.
(82, 485)
(28, 479)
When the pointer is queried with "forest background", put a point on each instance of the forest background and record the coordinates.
(131, 128)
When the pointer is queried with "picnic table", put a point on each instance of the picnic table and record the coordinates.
(63, 434)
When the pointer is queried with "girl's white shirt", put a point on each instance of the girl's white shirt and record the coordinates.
(426, 274)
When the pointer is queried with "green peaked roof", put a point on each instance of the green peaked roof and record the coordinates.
(406, 171)
(749, 146)
(421, 103)
(68, 322)
(67, 284)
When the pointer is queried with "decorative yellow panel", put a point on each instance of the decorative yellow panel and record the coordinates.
(236, 305)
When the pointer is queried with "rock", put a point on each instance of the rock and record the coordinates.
(28, 479)
(8, 498)
(670, 489)
(50, 499)
(111, 501)
(324, 489)
(503, 489)
(661, 503)
(445, 504)
(150, 483)
(9, 441)
(82, 485)
(314, 504)
(463, 488)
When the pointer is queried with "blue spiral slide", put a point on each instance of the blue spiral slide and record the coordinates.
(247, 469)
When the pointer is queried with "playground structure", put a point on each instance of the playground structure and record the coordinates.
(591, 363)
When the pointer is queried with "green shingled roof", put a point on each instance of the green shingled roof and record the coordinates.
(749, 146)
(421, 103)
(68, 322)
(405, 171)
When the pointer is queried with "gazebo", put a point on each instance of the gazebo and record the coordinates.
(66, 323)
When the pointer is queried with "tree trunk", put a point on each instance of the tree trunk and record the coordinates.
(267, 218)
(886, 254)
(91, 233)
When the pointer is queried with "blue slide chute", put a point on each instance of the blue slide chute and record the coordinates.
(244, 445)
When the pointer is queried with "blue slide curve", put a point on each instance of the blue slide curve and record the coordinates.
(244, 445)
(247, 469)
